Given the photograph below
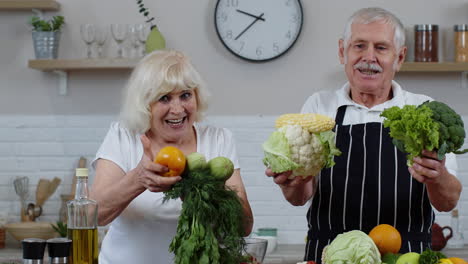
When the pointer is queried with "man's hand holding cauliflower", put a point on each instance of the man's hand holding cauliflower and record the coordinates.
(302, 145)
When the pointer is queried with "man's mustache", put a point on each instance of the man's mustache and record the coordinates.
(365, 66)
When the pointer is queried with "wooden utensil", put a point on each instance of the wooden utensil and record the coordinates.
(45, 189)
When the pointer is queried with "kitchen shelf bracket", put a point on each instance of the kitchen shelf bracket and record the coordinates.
(464, 80)
(63, 81)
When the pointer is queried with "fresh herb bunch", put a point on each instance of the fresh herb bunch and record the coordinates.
(145, 11)
(60, 228)
(210, 226)
(53, 24)
(430, 257)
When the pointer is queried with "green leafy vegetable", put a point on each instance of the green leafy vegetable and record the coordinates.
(210, 226)
(390, 258)
(432, 126)
(430, 257)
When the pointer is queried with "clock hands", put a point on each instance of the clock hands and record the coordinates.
(251, 24)
(245, 13)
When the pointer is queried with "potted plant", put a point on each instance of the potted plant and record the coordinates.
(155, 39)
(46, 36)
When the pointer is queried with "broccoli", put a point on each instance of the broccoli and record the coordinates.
(431, 126)
(451, 128)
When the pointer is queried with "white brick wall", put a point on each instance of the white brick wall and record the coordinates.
(50, 146)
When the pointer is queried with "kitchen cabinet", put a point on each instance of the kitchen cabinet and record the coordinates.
(20, 5)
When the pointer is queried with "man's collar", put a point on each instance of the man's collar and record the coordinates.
(345, 98)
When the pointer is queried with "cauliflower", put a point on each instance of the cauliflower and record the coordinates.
(304, 149)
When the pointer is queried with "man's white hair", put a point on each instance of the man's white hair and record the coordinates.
(373, 14)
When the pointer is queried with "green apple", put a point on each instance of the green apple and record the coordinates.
(155, 41)
(408, 258)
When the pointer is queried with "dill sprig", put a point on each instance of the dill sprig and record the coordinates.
(210, 226)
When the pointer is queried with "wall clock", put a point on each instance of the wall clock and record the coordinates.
(258, 30)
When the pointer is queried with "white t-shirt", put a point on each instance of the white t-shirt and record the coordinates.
(143, 231)
(327, 103)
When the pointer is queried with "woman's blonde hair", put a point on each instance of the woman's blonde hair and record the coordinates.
(157, 74)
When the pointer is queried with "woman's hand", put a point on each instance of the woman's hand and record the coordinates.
(149, 173)
(428, 168)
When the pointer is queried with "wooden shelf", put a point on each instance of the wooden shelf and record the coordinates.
(18, 5)
(125, 63)
(83, 64)
(434, 67)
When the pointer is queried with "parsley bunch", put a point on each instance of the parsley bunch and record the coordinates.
(210, 226)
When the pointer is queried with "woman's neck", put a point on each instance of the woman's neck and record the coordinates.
(187, 144)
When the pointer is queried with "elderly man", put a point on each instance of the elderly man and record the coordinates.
(371, 183)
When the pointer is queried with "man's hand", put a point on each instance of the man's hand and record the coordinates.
(297, 191)
(283, 180)
(443, 188)
(428, 169)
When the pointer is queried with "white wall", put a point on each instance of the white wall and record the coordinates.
(50, 146)
(238, 87)
(40, 136)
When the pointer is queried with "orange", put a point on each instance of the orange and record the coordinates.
(387, 239)
(173, 158)
(458, 261)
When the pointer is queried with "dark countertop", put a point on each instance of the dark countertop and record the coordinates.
(284, 254)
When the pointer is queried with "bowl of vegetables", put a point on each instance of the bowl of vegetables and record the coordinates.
(254, 250)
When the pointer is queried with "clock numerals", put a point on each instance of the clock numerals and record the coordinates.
(295, 18)
(288, 2)
(232, 3)
(242, 44)
(259, 51)
(228, 34)
(288, 34)
(222, 17)
(276, 47)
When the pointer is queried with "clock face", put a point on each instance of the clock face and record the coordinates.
(258, 30)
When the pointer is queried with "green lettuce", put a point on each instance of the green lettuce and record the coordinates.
(278, 154)
(412, 129)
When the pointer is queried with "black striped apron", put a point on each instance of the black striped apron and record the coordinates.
(369, 185)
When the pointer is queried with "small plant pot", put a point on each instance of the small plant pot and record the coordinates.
(46, 44)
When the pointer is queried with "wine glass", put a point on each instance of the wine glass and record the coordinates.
(119, 33)
(88, 34)
(143, 32)
(101, 38)
(135, 42)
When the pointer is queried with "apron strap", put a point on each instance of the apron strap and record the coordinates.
(340, 115)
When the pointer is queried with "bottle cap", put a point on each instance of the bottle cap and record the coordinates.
(461, 27)
(81, 172)
(426, 27)
(33, 248)
(59, 247)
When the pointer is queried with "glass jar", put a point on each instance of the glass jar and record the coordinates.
(461, 42)
(426, 43)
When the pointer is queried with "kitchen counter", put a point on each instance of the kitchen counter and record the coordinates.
(284, 254)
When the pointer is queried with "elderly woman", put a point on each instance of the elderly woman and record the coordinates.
(165, 97)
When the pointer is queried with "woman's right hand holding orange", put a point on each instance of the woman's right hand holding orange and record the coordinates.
(149, 173)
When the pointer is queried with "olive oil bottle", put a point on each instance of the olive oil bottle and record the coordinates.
(82, 223)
